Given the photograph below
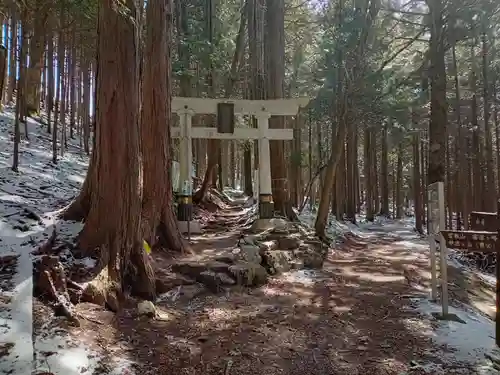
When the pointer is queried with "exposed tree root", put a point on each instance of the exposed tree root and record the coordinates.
(102, 291)
(51, 285)
(47, 247)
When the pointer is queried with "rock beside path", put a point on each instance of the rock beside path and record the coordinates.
(272, 247)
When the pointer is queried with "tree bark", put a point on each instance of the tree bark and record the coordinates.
(384, 172)
(275, 73)
(114, 171)
(438, 122)
(3, 71)
(490, 193)
(34, 71)
(50, 78)
(13, 56)
(157, 212)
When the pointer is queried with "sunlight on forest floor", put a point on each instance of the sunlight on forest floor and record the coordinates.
(357, 310)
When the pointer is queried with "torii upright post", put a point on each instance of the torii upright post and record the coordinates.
(266, 204)
(185, 188)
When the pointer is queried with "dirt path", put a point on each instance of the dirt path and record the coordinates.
(355, 316)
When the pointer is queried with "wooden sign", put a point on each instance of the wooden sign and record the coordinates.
(471, 240)
(481, 241)
(225, 118)
(487, 221)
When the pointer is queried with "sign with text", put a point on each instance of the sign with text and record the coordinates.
(435, 208)
(471, 240)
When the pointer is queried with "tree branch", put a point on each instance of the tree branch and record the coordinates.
(399, 51)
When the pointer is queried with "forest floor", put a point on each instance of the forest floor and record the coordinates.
(366, 312)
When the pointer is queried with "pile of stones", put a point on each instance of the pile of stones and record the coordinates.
(270, 247)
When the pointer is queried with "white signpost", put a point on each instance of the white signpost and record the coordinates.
(436, 223)
(262, 110)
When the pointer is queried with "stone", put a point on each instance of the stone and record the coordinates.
(248, 253)
(248, 274)
(297, 264)
(288, 243)
(311, 258)
(214, 281)
(225, 259)
(277, 261)
(261, 225)
(218, 267)
(146, 308)
(193, 269)
(182, 292)
(190, 269)
(268, 245)
(188, 292)
(315, 244)
(225, 279)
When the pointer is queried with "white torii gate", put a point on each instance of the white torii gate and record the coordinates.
(262, 110)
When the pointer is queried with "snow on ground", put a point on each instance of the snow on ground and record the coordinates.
(465, 343)
(28, 201)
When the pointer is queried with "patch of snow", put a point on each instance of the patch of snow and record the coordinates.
(304, 276)
(465, 344)
(56, 353)
(17, 321)
(28, 200)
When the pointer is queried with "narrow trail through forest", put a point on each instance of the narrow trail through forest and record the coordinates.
(362, 313)
(365, 311)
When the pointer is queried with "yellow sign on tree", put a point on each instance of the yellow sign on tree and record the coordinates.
(146, 246)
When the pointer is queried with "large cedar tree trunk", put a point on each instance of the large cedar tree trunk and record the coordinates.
(438, 122)
(157, 208)
(34, 71)
(275, 74)
(113, 177)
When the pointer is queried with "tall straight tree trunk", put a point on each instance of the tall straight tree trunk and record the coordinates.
(13, 57)
(461, 152)
(438, 121)
(351, 160)
(477, 161)
(490, 194)
(157, 211)
(19, 97)
(3, 71)
(3, 55)
(61, 66)
(213, 144)
(399, 182)
(50, 78)
(384, 172)
(86, 104)
(343, 115)
(417, 196)
(113, 176)
(34, 71)
(497, 129)
(275, 74)
(368, 174)
(72, 86)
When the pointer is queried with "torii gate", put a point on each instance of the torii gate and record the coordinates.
(262, 110)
